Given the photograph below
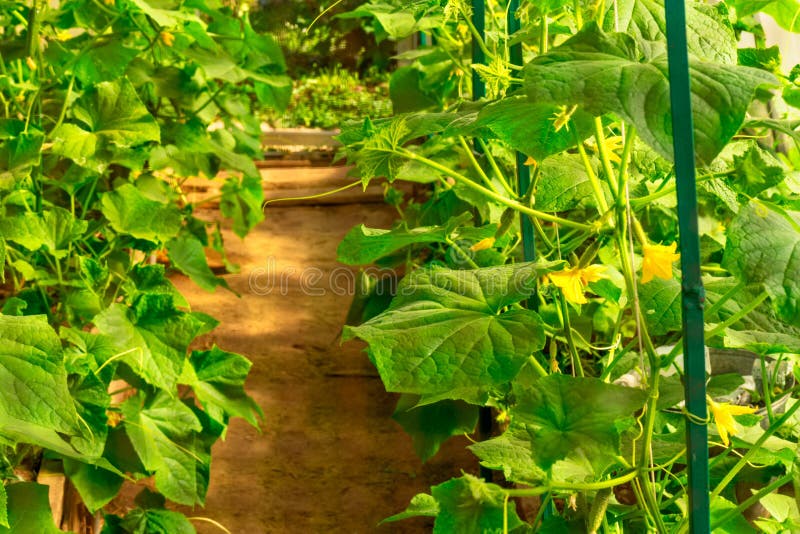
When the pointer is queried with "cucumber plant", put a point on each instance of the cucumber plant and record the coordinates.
(579, 351)
(107, 107)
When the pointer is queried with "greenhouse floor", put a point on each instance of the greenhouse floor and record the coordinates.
(329, 458)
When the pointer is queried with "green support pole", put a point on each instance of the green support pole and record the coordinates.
(523, 171)
(485, 422)
(478, 57)
(692, 293)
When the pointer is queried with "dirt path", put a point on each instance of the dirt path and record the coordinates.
(329, 459)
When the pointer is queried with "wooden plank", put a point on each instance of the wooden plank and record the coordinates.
(51, 474)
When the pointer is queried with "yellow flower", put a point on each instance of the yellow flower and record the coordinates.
(572, 281)
(530, 162)
(167, 38)
(483, 244)
(723, 417)
(611, 145)
(658, 261)
(30, 63)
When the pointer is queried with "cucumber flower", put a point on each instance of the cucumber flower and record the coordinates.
(167, 38)
(723, 413)
(658, 260)
(573, 281)
(483, 244)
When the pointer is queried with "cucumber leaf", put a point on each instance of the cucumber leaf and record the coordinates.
(443, 333)
(568, 416)
(606, 73)
(29, 510)
(763, 248)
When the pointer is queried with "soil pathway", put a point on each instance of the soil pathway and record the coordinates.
(329, 458)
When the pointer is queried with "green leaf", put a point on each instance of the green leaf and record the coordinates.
(362, 245)
(154, 343)
(468, 505)
(3, 506)
(188, 256)
(660, 301)
(431, 425)
(149, 518)
(566, 416)
(442, 332)
(55, 230)
(97, 486)
(129, 211)
(35, 406)
(511, 454)
(113, 113)
(104, 62)
(217, 378)
(605, 73)
(762, 249)
(536, 136)
(29, 510)
(378, 157)
(710, 36)
(735, 525)
(242, 201)
(755, 169)
(762, 342)
(164, 431)
(421, 504)
(563, 185)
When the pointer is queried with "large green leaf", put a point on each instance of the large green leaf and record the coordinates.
(29, 510)
(710, 36)
(536, 135)
(164, 431)
(443, 332)
(217, 378)
(110, 113)
(468, 505)
(154, 343)
(606, 73)
(568, 416)
(55, 229)
(763, 248)
(35, 403)
(129, 211)
(431, 425)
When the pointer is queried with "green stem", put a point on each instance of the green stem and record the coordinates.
(495, 168)
(627, 149)
(608, 169)
(513, 204)
(463, 254)
(720, 328)
(574, 486)
(597, 189)
(671, 189)
(544, 36)
(750, 501)
(476, 165)
(735, 290)
(577, 365)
